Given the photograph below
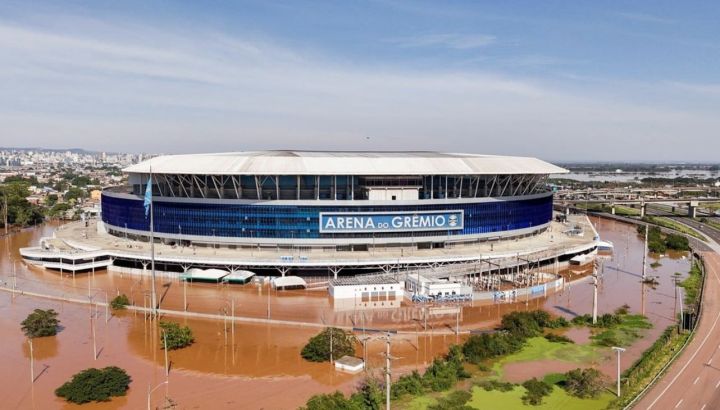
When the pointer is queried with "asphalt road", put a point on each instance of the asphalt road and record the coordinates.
(693, 381)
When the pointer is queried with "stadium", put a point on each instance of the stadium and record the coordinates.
(313, 214)
(340, 199)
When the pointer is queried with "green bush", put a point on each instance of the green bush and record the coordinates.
(490, 385)
(333, 401)
(525, 324)
(442, 374)
(119, 302)
(453, 401)
(318, 347)
(40, 323)
(557, 323)
(606, 320)
(407, 384)
(622, 310)
(95, 385)
(552, 337)
(677, 242)
(692, 285)
(370, 395)
(177, 336)
(584, 383)
(536, 390)
(490, 345)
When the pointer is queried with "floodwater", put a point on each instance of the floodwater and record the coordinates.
(259, 365)
(636, 176)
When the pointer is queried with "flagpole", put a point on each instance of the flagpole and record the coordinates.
(152, 250)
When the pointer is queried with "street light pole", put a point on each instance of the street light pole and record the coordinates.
(618, 350)
(387, 371)
(32, 363)
(151, 391)
(595, 294)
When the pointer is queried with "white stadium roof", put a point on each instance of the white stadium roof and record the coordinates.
(343, 163)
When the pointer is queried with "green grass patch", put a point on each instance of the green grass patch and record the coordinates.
(692, 285)
(623, 334)
(512, 400)
(539, 348)
(670, 224)
(637, 376)
(558, 399)
(619, 209)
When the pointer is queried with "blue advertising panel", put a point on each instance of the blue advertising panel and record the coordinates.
(349, 222)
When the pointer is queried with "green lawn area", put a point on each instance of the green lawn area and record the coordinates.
(669, 223)
(539, 348)
(558, 399)
(482, 399)
(623, 334)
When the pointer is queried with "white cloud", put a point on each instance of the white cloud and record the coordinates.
(139, 89)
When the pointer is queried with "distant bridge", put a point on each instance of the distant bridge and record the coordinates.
(641, 196)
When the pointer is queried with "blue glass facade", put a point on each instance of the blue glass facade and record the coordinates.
(302, 222)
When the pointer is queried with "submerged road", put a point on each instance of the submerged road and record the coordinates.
(693, 381)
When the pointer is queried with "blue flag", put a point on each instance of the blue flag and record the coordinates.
(148, 197)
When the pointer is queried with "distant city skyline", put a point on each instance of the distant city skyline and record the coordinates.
(563, 81)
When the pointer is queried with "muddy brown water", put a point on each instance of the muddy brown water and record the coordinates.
(260, 366)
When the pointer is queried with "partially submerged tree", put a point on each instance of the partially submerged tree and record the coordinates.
(95, 385)
(177, 336)
(119, 302)
(584, 383)
(40, 323)
(318, 347)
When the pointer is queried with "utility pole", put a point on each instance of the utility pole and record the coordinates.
(268, 299)
(618, 350)
(5, 211)
(32, 362)
(595, 294)
(167, 368)
(387, 371)
(92, 325)
(645, 251)
(331, 344)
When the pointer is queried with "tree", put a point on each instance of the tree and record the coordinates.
(333, 401)
(535, 391)
(453, 401)
(318, 347)
(370, 395)
(19, 210)
(59, 209)
(75, 193)
(119, 302)
(489, 345)
(95, 385)
(407, 384)
(177, 336)
(584, 383)
(40, 323)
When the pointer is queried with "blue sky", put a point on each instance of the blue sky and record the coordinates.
(558, 80)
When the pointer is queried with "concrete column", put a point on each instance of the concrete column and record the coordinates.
(692, 209)
(642, 209)
(612, 209)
